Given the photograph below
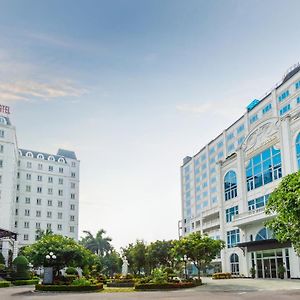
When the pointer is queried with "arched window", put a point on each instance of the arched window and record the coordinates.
(20, 153)
(298, 149)
(234, 264)
(3, 120)
(230, 185)
(40, 156)
(264, 234)
(29, 154)
(61, 160)
(51, 158)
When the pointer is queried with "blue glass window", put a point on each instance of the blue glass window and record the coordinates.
(298, 100)
(298, 150)
(213, 189)
(186, 169)
(297, 85)
(203, 157)
(198, 188)
(203, 167)
(205, 203)
(198, 179)
(204, 175)
(230, 212)
(213, 180)
(283, 95)
(233, 238)
(204, 185)
(240, 128)
(230, 185)
(258, 202)
(187, 178)
(285, 109)
(205, 194)
(197, 171)
(230, 136)
(212, 160)
(220, 155)
(263, 168)
(240, 140)
(212, 150)
(264, 234)
(230, 147)
(253, 119)
(220, 144)
(214, 199)
(197, 162)
(267, 108)
(213, 170)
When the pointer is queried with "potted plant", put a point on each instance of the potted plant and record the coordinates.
(281, 270)
(253, 272)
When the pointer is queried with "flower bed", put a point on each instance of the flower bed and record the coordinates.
(4, 283)
(69, 288)
(26, 282)
(164, 286)
(221, 276)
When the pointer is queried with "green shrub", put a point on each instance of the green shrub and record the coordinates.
(164, 286)
(71, 271)
(159, 276)
(21, 268)
(221, 276)
(81, 282)
(2, 259)
(2, 267)
(4, 283)
(26, 282)
(69, 288)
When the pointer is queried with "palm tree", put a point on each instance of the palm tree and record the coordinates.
(97, 244)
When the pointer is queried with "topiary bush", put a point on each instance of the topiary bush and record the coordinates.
(71, 271)
(4, 283)
(26, 282)
(21, 268)
(221, 276)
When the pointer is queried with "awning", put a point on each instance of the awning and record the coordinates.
(263, 245)
(6, 233)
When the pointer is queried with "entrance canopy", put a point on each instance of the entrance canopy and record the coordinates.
(263, 245)
(6, 233)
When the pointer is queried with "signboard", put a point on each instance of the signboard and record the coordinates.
(4, 109)
(48, 275)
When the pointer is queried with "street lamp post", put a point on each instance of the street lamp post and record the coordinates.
(185, 266)
(48, 271)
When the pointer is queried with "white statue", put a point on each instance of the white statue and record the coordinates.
(125, 267)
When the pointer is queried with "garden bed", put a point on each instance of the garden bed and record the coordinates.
(68, 288)
(164, 286)
(25, 282)
(4, 283)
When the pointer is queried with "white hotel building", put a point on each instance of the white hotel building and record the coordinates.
(226, 185)
(38, 191)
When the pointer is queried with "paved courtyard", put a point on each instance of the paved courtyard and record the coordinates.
(229, 289)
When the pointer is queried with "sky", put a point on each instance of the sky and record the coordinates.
(135, 86)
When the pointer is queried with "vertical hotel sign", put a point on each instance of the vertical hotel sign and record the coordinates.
(4, 109)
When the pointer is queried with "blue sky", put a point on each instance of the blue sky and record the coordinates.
(133, 87)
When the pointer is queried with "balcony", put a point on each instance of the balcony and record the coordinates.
(212, 224)
(210, 212)
(250, 217)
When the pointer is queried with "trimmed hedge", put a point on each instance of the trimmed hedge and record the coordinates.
(26, 282)
(164, 286)
(221, 276)
(120, 284)
(68, 288)
(4, 283)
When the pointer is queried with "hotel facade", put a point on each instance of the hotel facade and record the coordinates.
(226, 185)
(38, 191)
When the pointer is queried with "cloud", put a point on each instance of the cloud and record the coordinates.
(26, 90)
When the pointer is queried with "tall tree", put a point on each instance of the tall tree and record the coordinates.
(200, 249)
(284, 205)
(98, 244)
(112, 263)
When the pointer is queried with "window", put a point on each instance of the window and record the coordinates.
(50, 179)
(297, 85)
(38, 201)
(27, 200)
(59, 204)
(40, 166)
(73, 174)
(26, 224)
(1, 133)
(38, 213)
(37, 225)
(267, 108)
(50, 168)
(72, 196)
(29, 165)
(28, 188)
(220, 155)
(234, 263)
(220, 144)
(230, 136)
(253, 119)
(51, 158)
(60, 181)
(61, 160)
(72, 218)
(27, 212)
(59, 227)
(298, 150)
(16, 224)
(241, 140)
(16, 212)
(28, 176)
(240, 129)
(258, 202)
(49, 214)
(1, 148)
(283, 95)
(230, 185)
(263, 168)
(72, 229)
(50, 191)
(211, 151)
(17, 199)
(49, 226)
(73, 164)
(39, 189)
(212, 160)
(40, 156)
(285, 109)
(60, 192)
(264, 234)
(61, 170)
(298, 100)
(231, 212)
(26, 237)
(39, 178)
(49, 202)
(230, 147)
(233, 238)
(59, 215)
(29, 154)
(72, 206)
